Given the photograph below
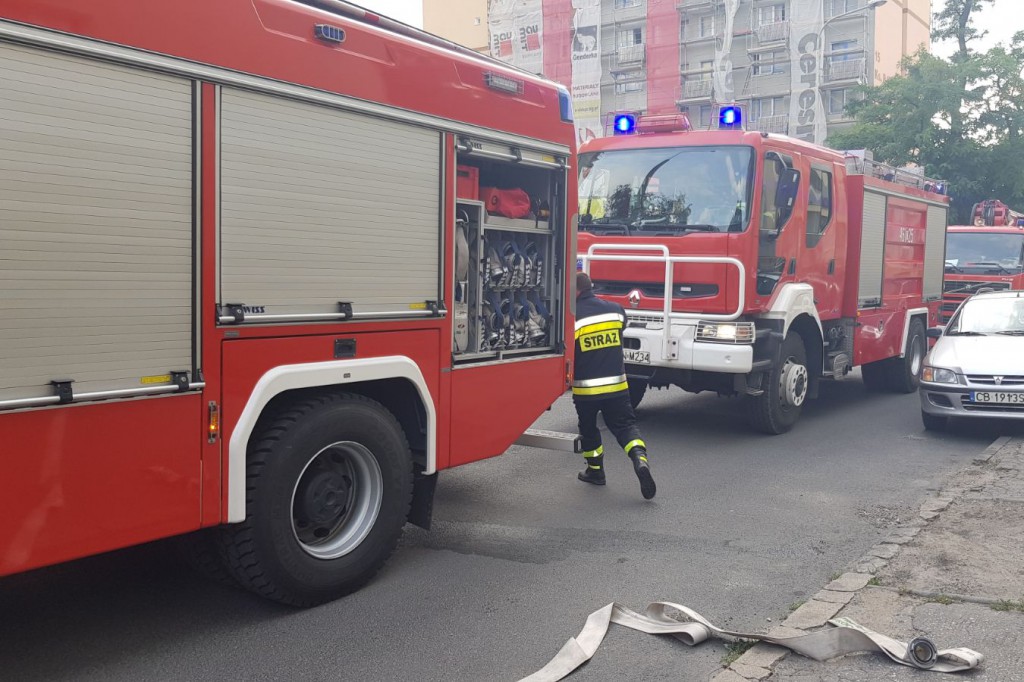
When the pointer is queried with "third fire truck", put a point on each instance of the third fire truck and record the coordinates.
(758, 265)
(987, 254)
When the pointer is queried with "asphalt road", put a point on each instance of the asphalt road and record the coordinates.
(743, 526)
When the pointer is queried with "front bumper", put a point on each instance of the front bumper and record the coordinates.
(945, 400)
(729, 358)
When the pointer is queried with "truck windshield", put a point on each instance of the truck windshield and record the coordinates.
(985, 253)
(666, 191)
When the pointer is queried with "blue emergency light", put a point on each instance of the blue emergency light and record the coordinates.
(730, 117)
(624, 124)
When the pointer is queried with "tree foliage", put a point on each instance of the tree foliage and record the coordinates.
(962, 118)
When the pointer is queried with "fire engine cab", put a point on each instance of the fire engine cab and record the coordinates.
(266, 267)
(758, 265)
(987, 254)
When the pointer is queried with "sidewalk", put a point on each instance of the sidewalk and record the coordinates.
(954, 575)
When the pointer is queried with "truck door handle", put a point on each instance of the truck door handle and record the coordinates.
(832, 267)
(792, 266)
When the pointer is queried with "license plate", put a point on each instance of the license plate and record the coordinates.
(998, 397)
(641, 357)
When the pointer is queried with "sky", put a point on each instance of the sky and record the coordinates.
(1002, 19)
(407, 11)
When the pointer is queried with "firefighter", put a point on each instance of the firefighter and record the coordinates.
(599, 385)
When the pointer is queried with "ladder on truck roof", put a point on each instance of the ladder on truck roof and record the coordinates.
(858, 165)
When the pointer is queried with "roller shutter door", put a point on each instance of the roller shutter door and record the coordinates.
(872, 250)
(320, 205)
(935, 253)
(95, 224)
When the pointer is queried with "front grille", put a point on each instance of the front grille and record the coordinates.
(641, 318)
(990, 380)
(967, 287)
(654, 290)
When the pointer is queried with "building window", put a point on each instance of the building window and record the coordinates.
(837, 100)
(707, 27)
(819, 206)
(843, 6)
(767, 106)
(626, 4)
(771, 14)
(629, 86)
(844, 46)
(707, 67)
(767, 63)
(705, 116)
(630, 37)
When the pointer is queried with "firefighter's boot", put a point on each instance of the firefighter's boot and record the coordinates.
(638, 454)
(594, 473)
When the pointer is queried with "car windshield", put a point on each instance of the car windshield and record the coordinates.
(666, 191)
(985, 252)
(989, 316)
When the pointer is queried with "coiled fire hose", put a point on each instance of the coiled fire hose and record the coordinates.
(846, 637)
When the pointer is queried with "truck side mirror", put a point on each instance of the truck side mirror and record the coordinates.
(935, 332)
(785, 194)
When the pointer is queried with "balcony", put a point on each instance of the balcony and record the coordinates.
(632, 54)
(629, 11)
(697, 88)
(773, 33)
(844, 69)
(771, 124)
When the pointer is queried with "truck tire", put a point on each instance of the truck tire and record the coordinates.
(933, 422)
(328, 489)
(777, 409)
(905, 374)
(637, 389)
(876, 375)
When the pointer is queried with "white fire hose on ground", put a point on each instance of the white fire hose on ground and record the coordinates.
(846, 637)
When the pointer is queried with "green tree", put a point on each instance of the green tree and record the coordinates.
(962, 119)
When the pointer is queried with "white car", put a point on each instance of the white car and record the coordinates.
(976, 368)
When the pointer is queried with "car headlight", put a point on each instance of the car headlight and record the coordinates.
(726, 332)
(939, 375)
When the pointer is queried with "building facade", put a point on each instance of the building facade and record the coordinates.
(792, 64)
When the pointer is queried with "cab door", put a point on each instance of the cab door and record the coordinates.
(780, 226)
(817, 264)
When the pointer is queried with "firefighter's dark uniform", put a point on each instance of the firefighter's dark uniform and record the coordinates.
(599, 386)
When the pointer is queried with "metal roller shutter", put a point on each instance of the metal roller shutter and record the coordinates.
(935, 253)
(320, 205)
(95, 223)
(872, 250)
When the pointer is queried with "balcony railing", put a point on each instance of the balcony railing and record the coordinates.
(773, 33)
(843, 69)
(771, 124)
(697, 88)
(632, 54)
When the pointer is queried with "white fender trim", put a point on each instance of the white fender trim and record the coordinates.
(291, 377)
(791, 301)
(911, 314)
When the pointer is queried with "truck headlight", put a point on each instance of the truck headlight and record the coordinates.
(726, 332)
(939, 375)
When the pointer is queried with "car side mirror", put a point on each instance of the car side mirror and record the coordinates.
(935, 332)
(785, 193)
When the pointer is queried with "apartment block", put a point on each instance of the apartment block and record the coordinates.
(792, 64)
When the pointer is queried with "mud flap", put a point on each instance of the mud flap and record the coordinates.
(421, 510)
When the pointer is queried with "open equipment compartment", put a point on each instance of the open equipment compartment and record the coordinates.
(510, 250)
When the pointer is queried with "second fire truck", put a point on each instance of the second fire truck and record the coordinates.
(987, 254)
(758, 265)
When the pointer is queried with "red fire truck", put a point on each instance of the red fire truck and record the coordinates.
(248, 280)
(757, 265)
(987, 254)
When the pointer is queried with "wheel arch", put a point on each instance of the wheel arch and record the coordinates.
(918, 313)
(394, 381)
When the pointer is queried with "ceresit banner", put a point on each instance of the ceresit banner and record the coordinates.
(516, 30)
(586, 68)
(806, 110)
(722, 78)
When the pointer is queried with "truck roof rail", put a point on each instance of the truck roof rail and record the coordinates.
(857, 165)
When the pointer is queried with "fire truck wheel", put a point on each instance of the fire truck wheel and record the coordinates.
(776, 410)
(637, 389)
(201, 551)
(328, 489)
(906, 375)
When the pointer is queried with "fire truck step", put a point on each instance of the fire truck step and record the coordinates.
(551, 440)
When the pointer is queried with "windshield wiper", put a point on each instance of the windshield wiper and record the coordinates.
(990, 264)
(610, 227)
(966, 334)
(680, 227)
(952, 267)
(1012, 332)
